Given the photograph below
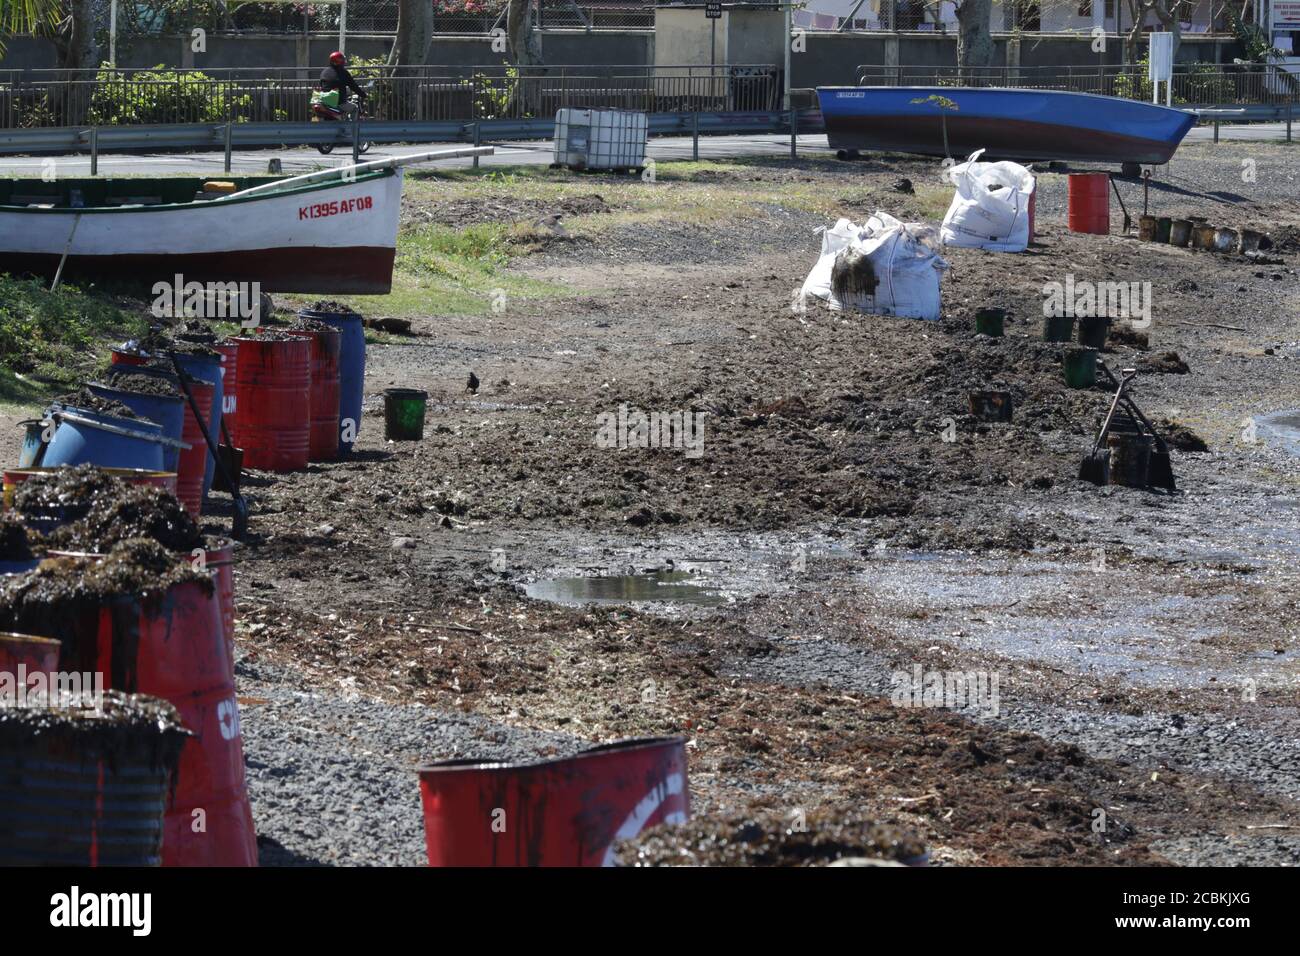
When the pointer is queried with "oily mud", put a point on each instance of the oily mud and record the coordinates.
(143, 384)
(116, 726)
(54, 599)
(17, 542)
(84, 398)
(65, 494)
(140, 511)
(767, 839)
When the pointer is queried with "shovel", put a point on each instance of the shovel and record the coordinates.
(239, 525)
(1095, 466)
(232, 458)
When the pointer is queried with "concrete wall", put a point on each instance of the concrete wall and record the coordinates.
(754, 36)
(682, 38)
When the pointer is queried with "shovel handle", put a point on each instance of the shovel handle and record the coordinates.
(1110, 415)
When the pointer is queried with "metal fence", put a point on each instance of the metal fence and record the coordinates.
(1193, 83)
(152, 18)
(1027, 17)
(46, 98)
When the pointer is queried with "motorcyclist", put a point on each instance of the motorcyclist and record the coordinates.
(336, 77)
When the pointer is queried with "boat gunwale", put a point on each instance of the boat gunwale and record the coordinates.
(1017, 89)
(218, 202)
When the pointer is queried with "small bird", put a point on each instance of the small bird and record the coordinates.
(472, 385)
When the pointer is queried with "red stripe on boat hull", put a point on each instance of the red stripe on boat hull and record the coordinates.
(999, 138)
(352, 270)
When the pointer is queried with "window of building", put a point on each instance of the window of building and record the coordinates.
(1085, 9)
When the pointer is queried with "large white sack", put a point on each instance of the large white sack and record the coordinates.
(991, 207)
(902, 256)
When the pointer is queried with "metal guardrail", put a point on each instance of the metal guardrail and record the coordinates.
(232, 136)
(1192, 82)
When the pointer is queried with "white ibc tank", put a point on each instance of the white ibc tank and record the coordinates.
(600, 139)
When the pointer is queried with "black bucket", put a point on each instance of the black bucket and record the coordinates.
(1130, 459)
(1093, 331)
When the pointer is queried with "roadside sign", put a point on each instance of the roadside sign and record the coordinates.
(713, 11)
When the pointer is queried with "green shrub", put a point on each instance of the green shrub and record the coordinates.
(163, 96)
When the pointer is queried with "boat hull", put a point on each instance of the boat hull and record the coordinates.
(338, 238)
(1033, 125)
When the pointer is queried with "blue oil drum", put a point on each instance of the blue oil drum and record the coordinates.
(352, 371)
(84, 437)
(167, 410)
(206, 366)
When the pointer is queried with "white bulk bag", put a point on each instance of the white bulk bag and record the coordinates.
(991, 207)
(906, 267)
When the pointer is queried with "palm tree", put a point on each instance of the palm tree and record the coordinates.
(26, 16)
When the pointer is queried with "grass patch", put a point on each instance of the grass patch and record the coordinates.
(52, 339)
(445, 271)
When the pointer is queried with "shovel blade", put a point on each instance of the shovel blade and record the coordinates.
(1095, 468)
(1160, 471)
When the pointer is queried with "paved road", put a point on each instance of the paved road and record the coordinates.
(536, 153)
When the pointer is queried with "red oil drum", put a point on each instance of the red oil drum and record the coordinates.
(323, 441)
(274, 401)
(563, 812)
(1089, 206)
(229, 352)
(193, 463)
(36, 654)
(221, 562)
(1033, 203)
(124, 357)
(172, 645)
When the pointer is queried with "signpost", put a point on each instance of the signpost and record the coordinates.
(713, 12)
(1160, 66)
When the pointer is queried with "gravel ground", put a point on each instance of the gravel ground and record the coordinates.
(333, 775)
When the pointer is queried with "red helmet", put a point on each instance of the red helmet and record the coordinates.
(337, 58)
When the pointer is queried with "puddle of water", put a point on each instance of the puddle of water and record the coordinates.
(674, 586)
(1283, 429)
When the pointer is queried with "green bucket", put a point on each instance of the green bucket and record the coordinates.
(404, 413)
(989, 321)
(1080, 368)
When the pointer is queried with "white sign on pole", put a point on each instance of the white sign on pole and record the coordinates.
(1286, 15)
(1161, 65)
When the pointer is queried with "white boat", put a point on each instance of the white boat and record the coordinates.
(333, 231)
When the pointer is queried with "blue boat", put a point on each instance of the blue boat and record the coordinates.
(1027, 125)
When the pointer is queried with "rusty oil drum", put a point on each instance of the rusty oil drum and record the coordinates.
(567, 811)
(173, 645)
(273, 395)
(78, 792)
(36, 654)
(229, 352)
(326, 347)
